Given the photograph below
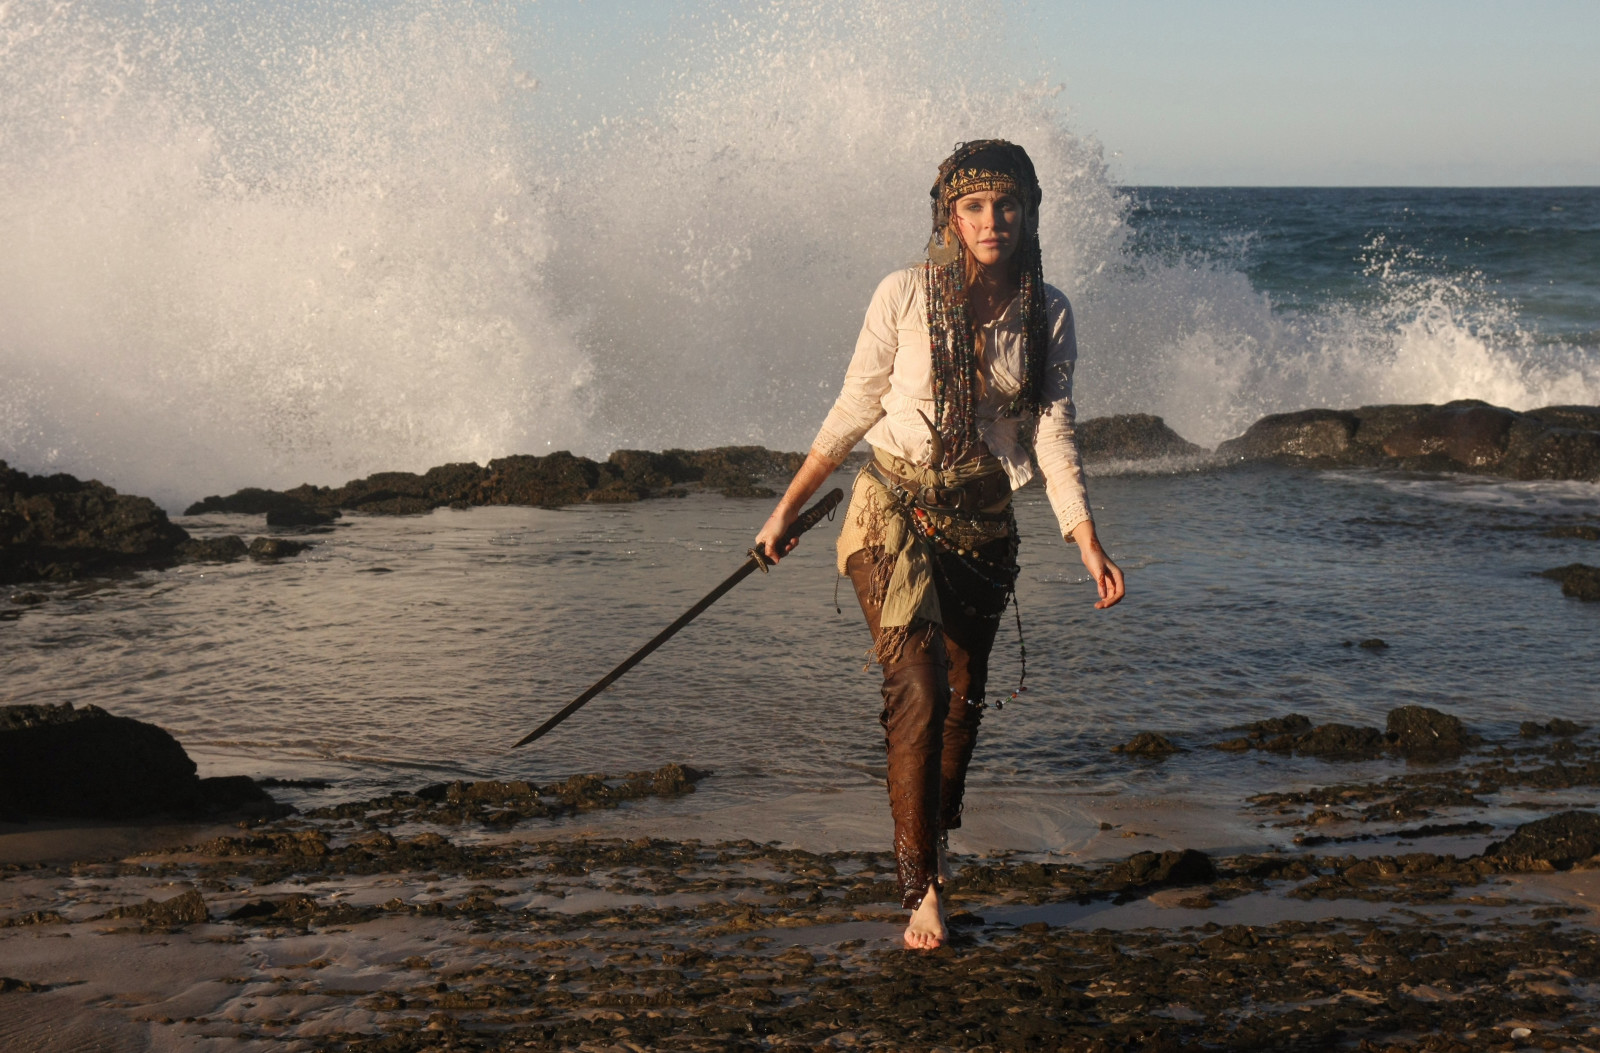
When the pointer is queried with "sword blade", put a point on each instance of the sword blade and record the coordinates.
(807, 519)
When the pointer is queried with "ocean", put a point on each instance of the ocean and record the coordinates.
(378, 249)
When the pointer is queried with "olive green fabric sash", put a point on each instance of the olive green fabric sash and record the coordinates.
(880, 518)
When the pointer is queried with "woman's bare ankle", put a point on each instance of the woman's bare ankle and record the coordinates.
(926, 929)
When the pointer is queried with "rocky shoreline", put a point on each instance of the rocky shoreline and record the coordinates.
(1555, 442)
(458, 917)
(59, 528)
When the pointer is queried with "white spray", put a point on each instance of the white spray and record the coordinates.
(303, 245)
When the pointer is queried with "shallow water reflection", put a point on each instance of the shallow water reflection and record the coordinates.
(405, 651)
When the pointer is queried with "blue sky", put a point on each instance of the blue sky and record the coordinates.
(1355, 92)
(1232, 92)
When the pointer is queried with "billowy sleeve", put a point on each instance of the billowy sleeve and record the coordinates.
(860, 403)
(1055, 443)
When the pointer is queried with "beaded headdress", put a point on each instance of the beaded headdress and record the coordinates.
(986, 164)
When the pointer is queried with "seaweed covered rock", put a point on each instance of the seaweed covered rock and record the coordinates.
(1340, 740)
(1556, 442)
(1470, 435)
(58, 527)
(1557, 842)
(1131, 437)
(1294, 734)
(65, 762)
(1148, 744)
(1417, 731)
(1578, 580)
(1532, 729)
(500, 803)
(1153, 869)
(187, 908)
(553, 480)
(1307, 435)
(251, 501)
(269, 549)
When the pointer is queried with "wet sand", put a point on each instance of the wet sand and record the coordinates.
(454, 921)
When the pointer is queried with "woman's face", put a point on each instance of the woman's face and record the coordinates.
(990, 225)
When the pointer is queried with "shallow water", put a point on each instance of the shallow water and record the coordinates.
(405, 651)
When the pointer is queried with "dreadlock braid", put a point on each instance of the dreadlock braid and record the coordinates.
(987, 164)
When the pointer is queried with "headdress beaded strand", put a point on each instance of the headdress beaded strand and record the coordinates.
(986, 164)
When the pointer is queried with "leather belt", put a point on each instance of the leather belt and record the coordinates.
(965, 501)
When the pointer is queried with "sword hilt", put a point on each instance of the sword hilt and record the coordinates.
(803, 522)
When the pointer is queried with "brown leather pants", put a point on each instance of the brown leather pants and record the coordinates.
(932, 703)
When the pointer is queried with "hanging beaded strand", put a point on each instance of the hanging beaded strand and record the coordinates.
(955, 361)
(1004, 576)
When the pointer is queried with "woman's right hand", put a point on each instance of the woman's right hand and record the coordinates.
(770, 539)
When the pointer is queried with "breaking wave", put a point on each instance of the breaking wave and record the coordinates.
(262, 246)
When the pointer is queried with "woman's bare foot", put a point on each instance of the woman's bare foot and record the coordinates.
(927, 929)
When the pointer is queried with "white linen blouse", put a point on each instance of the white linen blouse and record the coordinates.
(891, 377)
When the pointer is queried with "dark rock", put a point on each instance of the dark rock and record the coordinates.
(737, 470)
(273, 548)
(1557, 842)
(1417, 803)
(1471, 435)
(27, 599)
(1340, 740)
(1418, 731)
(1373, 644)
(1152, 869)
(251, 501)
(1293, 724)
(57, 527)
(1148, 744)
(223, 549)
(288, 908)
(1559, 442)
(301, 516)
(1578, 580)
(1316, 434)
(1582, 418)
(61, 761)
(235, 793)
(645, 473)
(504, 803)
(188, 908)
(1558, 727)
(455, 483)
(58, 761)
(1553, 453)
(556, 479)
(1375, 424)
(1131, 437)
(387, 503)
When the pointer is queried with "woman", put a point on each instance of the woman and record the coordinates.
(956, 354)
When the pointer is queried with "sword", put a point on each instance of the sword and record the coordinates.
(806, 520)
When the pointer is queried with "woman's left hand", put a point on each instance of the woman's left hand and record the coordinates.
(1107, 575)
